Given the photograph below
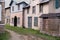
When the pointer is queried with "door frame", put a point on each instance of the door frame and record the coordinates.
(15, 21)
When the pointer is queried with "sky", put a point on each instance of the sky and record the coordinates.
(8, 1)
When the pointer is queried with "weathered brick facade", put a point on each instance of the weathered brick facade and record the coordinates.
(51, 25)
(2, 22)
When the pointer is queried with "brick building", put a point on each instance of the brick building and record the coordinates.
(43, 15)
(2, 15)
(7, 16)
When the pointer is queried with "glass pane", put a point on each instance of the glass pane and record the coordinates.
(57, 3)
(35, 21)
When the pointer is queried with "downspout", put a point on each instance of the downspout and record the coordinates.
(23, 18)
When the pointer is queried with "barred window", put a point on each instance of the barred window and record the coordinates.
(18, 20)
(12, 8)
(33, 9)
(12, 20)
(40, 8)
(28, 11)
(18, 7)
(35, 21)
(30, 22)
(57, 3)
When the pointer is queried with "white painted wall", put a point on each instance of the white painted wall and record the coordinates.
(16, 7)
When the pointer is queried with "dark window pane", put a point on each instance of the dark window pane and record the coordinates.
(18, 7)
(33, 9)
(28, 11)
(18, 20)
(40, 8)
(35, 21)
(30, 22)
(57, 3)
(12, 8)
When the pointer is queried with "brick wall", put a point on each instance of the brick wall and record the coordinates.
(2, 22)
(51, 26)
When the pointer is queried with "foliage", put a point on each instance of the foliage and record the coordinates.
(28, 31)
(4, 36)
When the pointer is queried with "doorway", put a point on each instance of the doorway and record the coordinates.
(15, 21)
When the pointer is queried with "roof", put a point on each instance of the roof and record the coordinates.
(7, 8)
(21, 3)
(17, 2)
(44, 2)
(28, 6)
(11, 2)
(50, 15)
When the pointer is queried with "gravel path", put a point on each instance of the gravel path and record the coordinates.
(16, 36)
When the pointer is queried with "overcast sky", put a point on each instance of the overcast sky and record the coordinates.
(8, 1)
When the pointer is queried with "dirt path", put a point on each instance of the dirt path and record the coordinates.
(16, 36)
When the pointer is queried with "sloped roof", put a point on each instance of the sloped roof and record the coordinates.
(12, 2)
(7, 8)
(50, 15)
(28, 6)
(22, 2)
(17, 2)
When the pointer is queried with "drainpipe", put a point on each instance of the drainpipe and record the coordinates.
(23, 18)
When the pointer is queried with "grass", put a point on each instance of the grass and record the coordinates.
(4, 36)
(31, 32)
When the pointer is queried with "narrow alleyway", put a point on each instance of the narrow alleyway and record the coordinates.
(16, 36)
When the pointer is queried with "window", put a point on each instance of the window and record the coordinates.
(7, 20)
(12, 8)
(28, 11)
(40, 8)
(57, 3)
(12, 20)
(29, 22)
(35, 21)
(18, 20)
(33, 9)
(18, 7)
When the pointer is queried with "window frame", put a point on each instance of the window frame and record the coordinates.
(18, 20)
(41, 8)
(12, 8)
(35, 21)
(18, 6)
(12, 20)
(34, 9)
(27, 10)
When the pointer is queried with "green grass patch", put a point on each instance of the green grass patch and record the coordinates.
(31, 32)
(4, 36)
